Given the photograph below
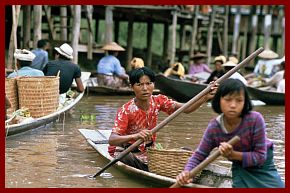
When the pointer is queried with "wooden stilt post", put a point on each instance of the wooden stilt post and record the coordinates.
(226, 27)
(13, 36)
(149, 44)
(130, 36)
(27, 28)
(76, 31)
(173, 46)
(37, 14)
(210, 35)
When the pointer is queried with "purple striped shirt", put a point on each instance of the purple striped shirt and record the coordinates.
(253, 143)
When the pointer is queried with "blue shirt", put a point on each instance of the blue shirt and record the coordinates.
(26, 71)
(109, 65)
(40, 60)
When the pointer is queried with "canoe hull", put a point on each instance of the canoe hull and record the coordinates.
(268, 97)
(98, 139)
(179, 90)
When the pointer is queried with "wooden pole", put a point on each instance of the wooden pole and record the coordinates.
(50, 21)
(210, 35)
(236, 30)
(89, 14)
(173, 46)
(226, 27)
(130, 35)
(37, 10)
(76, 31)
(149, 43)
(13, 36)
(27, 28)
(165, 41)
(254, 29)
(109, 24)
(207, 161)
(63, 23)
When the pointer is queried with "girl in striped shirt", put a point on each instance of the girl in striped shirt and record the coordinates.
(252, 156)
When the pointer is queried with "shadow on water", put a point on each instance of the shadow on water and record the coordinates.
(58, 156)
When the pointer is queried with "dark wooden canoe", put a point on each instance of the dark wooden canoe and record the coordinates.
(268, 97)
(180, 90)
(213, 175)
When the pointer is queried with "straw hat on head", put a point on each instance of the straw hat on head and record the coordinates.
(65, 50)
(220, 58)
(24, 55)
(198, 55)
(268, 54)
(229, 64)
(233, 59)
(113, 46)
(137, 63)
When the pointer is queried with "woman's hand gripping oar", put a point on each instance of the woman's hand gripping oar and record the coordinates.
(205, 162)
(180, 110)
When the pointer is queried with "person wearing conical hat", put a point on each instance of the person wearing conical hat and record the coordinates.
(219, 71)
(266, 65)
(109, 69)
(24, 59)
(233, 61)
(68, 71)
(197, 64)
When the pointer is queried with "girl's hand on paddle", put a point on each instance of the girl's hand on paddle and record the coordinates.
(213, 89)
(183, 178)
(145, 135)
(226, 149)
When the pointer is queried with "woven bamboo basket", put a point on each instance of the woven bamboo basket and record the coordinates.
(39, 94)
(167, 162)
(11, 93)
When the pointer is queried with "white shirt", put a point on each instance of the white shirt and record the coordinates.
(281, 86)
(237, 75)
(267, 65)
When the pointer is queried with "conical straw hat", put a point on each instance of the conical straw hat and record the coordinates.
(113, 46)
(268, 54)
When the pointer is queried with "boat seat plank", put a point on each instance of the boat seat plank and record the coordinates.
(98, 137)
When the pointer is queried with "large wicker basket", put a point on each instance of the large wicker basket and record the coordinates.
(39, 94)
(167, 162)
(11, 93)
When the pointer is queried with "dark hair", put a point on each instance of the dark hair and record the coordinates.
(23, 63)
(41, 43)
(136, 74)
(231, 86)
(283, 65)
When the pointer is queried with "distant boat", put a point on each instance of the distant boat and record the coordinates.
(212, 176)
(93, 87)
(180, 90)
(267, 96)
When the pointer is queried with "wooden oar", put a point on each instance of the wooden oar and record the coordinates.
(207, 161)
(180, 110)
